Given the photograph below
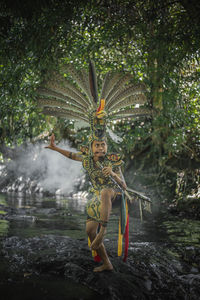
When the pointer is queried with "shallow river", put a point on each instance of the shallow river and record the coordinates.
(62, 216)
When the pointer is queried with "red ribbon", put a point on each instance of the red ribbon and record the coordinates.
(97, 258)
(126, 235)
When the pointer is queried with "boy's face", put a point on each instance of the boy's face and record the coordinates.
(99, 149)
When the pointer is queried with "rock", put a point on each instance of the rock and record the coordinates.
(71, 259)
(47, 211)
(21, 187)
(73, 270)
(149, 272)
(21, 218)
(80, 195)
(59, 192)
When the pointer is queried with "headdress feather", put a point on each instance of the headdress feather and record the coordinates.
(78, 100)
(78, 78)
(64, 113)
(53, 86)
(125, 93)
(117, 87)
(131, 100)
(61, 80)
(127, 113)
(93, 81)
(111, 81)
(60, 98)
(53, 102)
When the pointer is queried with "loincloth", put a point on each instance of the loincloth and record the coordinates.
(93, 207)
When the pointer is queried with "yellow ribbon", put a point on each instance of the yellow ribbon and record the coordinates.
(94, 253)
(120, 239)
(120, 235)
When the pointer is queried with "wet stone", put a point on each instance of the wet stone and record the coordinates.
(157, 266)
(70, 259)
(149, 272)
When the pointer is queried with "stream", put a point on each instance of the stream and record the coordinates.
(44, 253)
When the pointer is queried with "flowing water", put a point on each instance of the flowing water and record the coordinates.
(34, 215)
(39, 215)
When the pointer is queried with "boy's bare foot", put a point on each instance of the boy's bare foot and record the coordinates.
(104, 267)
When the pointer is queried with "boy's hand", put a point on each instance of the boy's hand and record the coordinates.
(52, 144)
(107, 171)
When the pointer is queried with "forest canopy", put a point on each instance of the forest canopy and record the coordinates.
(156, 41)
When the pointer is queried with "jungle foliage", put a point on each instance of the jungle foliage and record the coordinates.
(157, 41)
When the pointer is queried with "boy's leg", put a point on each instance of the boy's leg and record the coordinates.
(91, 228)
(106, 205)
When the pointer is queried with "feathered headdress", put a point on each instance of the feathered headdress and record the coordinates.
(80, 101)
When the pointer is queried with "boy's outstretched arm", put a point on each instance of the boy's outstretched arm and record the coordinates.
(66, 153)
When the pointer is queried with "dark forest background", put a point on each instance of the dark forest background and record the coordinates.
(157, 41)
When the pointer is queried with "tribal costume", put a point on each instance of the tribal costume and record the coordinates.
(61, 98)
(99, 181)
